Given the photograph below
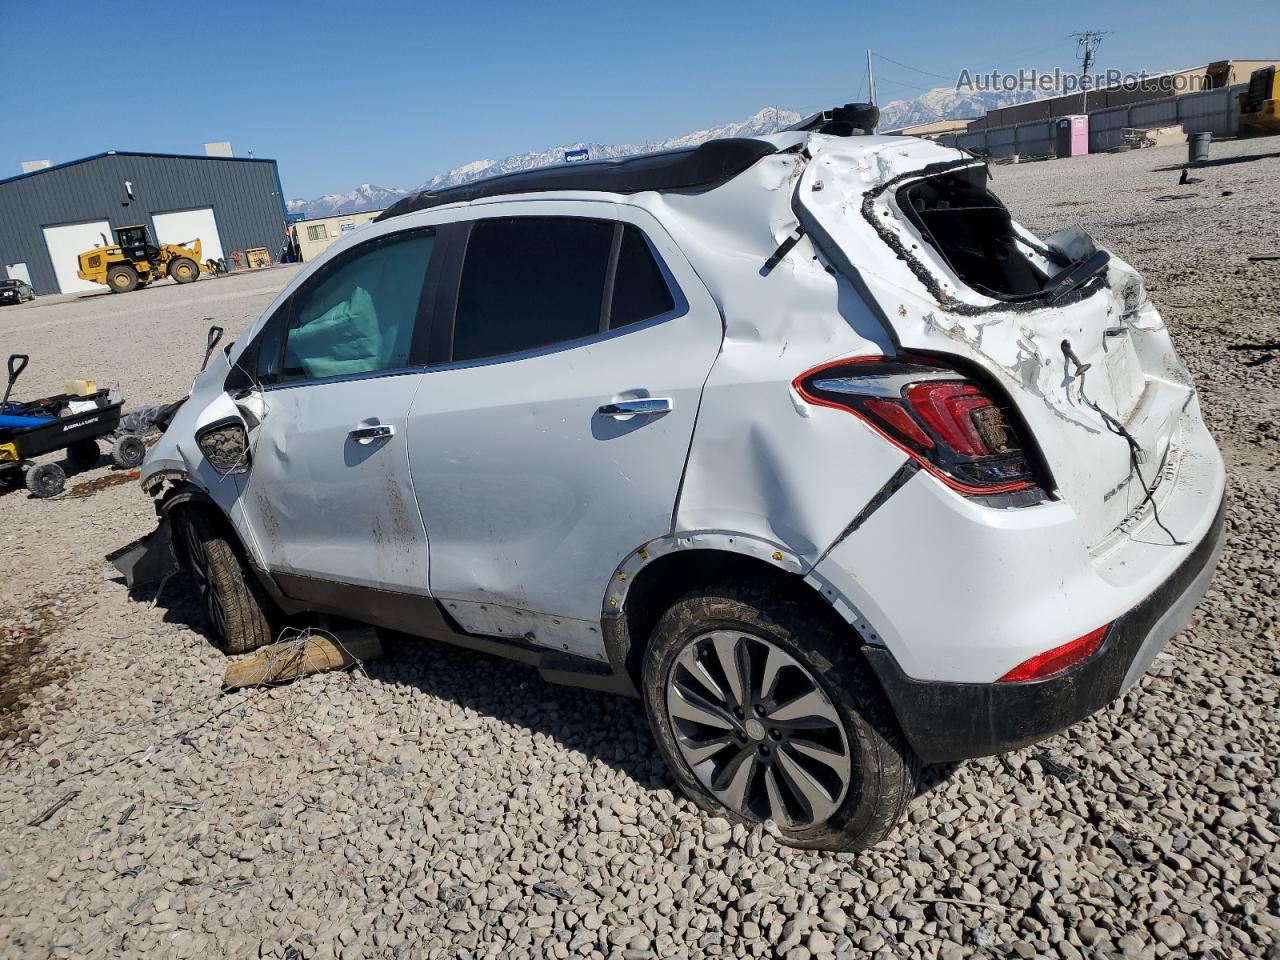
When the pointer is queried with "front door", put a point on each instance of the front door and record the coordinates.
(551, 442)
(328, 496)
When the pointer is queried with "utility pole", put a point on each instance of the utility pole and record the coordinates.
(871, 86)
(1087, 42)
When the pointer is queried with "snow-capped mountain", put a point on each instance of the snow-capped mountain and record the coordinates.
(941, 103)
(948, 103)
(364, 197)
(369, 197)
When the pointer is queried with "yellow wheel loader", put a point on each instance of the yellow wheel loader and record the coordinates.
(1260, 104)
(133, 261)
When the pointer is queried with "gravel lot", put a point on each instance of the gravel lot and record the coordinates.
(452, 805)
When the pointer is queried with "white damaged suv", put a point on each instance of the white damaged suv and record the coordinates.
(800, 439)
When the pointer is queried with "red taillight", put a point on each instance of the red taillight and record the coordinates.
(1058, 659)
(950, 424)
(948, 408)
(892, 414)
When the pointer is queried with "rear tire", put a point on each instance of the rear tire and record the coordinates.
(128, 452)
(184, 270)
(83, 454)
(237, 618)
(46, 480)
(122, 278)
(816, 748)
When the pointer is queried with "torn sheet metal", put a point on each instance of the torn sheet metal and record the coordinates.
(1132, 369)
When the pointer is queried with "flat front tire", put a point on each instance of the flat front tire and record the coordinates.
(237, 618)
(764, 710)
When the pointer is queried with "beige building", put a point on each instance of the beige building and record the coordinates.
(314, 235)
(1211, 76)
(933, 130)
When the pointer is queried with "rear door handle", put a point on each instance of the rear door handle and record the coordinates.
(369, 434)
(646, 407)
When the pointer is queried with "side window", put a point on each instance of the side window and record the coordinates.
(530, 282)
(640, 291)
(357, 316)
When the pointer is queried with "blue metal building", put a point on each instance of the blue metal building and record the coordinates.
(49, 216)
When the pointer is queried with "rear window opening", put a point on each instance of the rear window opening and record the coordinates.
(960, 218)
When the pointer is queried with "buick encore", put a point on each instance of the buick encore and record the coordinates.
(800, 439)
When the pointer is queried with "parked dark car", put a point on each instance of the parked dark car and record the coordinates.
(15, 291)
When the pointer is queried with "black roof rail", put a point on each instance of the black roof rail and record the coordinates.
(852, 119)
(695, 168)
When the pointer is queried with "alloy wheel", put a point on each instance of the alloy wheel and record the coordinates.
(757, 729)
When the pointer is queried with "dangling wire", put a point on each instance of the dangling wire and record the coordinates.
(1118, 428)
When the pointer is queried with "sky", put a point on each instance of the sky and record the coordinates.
(342, 93)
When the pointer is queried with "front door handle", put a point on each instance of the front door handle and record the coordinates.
(645, 407)
(369, 434)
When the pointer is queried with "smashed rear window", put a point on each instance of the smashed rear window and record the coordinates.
(972, 231)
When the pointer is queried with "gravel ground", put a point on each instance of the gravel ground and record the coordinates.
(452, 805)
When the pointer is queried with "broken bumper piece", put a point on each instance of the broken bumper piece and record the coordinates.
(148, 559)
(956, 721)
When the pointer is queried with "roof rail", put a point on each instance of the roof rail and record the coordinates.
(697, 168)
(853, 119)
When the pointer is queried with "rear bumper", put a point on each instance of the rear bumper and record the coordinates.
(954, 721)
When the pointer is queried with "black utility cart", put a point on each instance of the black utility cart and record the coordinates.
(64, 422)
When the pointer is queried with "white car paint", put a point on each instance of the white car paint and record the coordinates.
(534, 522)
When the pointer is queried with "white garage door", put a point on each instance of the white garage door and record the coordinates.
(66, 243)
(184, 226)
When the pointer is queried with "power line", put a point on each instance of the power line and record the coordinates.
(909, 67)
(901, 83)
(1087, 42)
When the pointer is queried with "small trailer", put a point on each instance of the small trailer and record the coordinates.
(67, 421)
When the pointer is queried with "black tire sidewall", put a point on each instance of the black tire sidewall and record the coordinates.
(882, 762)
(243, 612)
(129, 452)
(46, 480)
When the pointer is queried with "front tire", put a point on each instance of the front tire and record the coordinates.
(184, 270)
(237, 618)
(764, 710)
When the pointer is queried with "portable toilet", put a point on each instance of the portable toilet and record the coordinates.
(1072, 136)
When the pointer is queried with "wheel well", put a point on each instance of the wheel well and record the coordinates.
(663, 582)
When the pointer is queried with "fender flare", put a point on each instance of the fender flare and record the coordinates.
(723, 541)
(613, 620)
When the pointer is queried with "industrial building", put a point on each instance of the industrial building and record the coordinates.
(1211, 76)
(50, 215)
(312, 236)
